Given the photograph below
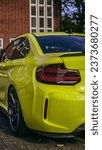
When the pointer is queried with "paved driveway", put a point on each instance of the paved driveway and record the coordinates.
(33, 141)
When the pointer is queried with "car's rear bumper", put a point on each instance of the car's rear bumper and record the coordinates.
(77, 132)
(63, 113)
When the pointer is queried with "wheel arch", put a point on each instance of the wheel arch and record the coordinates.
(25, 101)
(21, 127)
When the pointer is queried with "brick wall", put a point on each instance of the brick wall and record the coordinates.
(14, 18)
(57, 15)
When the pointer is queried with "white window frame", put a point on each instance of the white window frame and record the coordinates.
(12, 39)
(33, 16)
(51, 17)
(39, 5)
(1, 39)
(45, 5)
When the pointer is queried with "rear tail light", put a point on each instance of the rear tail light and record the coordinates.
(57, 74)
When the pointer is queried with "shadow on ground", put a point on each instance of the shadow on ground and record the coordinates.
(34, 141)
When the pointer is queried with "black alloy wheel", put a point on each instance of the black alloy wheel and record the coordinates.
(16, 121)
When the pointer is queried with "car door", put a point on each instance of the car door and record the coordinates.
(4, 59)
(13, 52)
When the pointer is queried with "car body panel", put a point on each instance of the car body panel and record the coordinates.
(65, 110)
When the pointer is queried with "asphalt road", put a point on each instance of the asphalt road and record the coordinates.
(33, 141)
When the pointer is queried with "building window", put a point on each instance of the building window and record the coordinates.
(33, 22)
(49, 22)
(49, 11)
(41, 11)
(33, 10)
(33, 1)
(1, 43)
(41, 1)
(41, 15)
(12, 39)
(49, 2)
(41, 22)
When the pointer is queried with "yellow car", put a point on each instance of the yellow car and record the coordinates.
(42, 83)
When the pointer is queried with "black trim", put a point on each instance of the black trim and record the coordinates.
(75, 133)
(3, 111)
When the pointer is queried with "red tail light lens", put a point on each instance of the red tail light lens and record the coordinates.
(57, 74)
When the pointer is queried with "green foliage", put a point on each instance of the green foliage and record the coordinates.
(73, 15)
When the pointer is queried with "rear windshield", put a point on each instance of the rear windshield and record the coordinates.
(61, 43)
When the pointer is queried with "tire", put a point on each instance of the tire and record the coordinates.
(16, 121)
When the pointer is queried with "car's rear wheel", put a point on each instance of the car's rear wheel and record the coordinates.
(16, 121)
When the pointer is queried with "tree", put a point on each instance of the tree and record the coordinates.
(73, 15)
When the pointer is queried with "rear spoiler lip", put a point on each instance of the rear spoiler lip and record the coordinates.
(73, 54)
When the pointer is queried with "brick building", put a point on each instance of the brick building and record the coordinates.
(22, 16)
